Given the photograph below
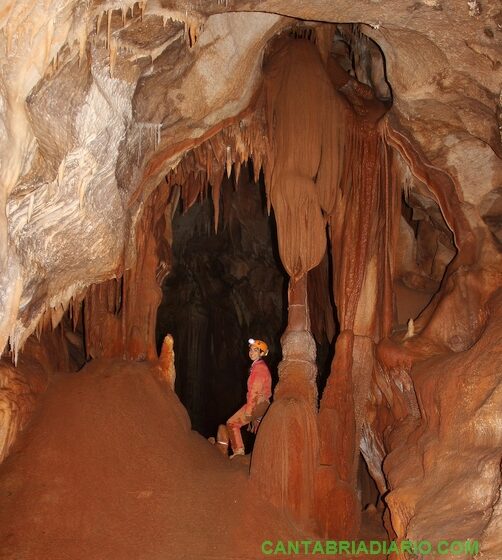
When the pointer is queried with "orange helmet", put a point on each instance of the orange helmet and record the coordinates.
(262, 346)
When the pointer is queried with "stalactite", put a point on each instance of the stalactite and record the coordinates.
(237, 170)
(98, 22)
(361, 203)
(75, 307)
(207, 163)
(299, 97)
(120, 314)
(216, 200)
(112, 48)
(109, 28)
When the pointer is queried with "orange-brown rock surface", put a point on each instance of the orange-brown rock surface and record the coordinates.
(138, 80)
(22, 385)
(112, 470)
(381, 150)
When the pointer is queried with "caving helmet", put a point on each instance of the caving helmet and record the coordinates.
(262, 346)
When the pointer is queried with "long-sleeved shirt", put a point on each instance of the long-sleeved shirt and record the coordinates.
(259, 385)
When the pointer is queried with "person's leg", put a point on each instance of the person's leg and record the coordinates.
(234, 425)
(222, 439)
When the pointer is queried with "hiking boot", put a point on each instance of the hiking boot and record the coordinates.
(237, 452)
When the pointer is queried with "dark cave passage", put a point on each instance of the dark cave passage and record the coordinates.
(224, 288)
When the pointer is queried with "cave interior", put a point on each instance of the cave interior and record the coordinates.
(178, 178)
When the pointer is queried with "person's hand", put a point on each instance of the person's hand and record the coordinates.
(254, 425)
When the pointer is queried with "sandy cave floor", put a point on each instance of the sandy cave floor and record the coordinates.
(108, 469)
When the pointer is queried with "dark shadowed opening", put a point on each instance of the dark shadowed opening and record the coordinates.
(224, 288)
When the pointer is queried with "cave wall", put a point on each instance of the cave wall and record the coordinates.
(120, 315)
(98, 105)
(82, 183)
(120, 114)
(364, 224)
(22, 385)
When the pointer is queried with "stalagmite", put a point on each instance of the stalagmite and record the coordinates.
(166, 361)
(411, 329)
(286, 472)
(298, 96)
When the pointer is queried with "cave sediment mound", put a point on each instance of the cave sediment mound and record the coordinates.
(110, 469)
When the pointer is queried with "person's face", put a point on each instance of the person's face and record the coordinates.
(254, 353)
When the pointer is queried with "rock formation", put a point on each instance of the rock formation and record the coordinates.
(380, 144)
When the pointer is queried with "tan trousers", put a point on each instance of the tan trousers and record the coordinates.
(239, 419)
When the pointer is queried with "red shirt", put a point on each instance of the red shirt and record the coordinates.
(259, 385)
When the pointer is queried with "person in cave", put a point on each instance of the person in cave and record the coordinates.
(257, 399)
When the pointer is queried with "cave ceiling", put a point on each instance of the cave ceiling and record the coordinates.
(99, 101)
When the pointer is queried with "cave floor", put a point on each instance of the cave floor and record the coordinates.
(109, 469)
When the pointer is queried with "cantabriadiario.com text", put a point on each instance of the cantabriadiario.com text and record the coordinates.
(369, 548)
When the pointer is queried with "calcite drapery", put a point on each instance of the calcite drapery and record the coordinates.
(120, 315)
(298, 95)
(343, 169)
(363, 230)
(135, 85)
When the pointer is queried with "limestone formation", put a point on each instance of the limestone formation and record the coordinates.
(376, 128)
